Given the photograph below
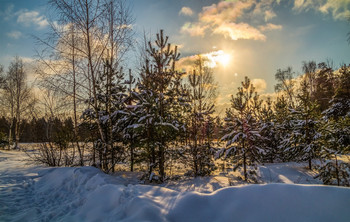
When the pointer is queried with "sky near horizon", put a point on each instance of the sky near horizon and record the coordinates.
(250, 38)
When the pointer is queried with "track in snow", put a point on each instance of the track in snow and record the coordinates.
(16, 187)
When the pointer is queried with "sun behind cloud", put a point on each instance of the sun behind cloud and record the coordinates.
(224, 59)
(217, 58)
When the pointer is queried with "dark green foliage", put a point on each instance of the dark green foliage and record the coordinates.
(323, 87)
(303, 144)
(243, 139)
(110, 94)
(158, 104)
(335, 173)
(200, 123)
(270, 133)
(340, 104)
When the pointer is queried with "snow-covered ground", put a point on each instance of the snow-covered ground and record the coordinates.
(290, 173)
(30, 193)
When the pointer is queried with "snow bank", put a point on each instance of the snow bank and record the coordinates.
(272, 202)
(31, 193)
(86, 194)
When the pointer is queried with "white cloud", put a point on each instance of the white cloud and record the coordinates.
(186, 11)
(259, 84)
(270, 26)
(229, 18)
(338, 9)
(14, 34)
(8, 13)
(224, 11)
(211, 60)
(269, 14)
(193, 29)
(220, 109)
(239, 31)
(28, 18)
(225, 18)
(27, 59)
(273, 96)
(301, 4)
(25, 17)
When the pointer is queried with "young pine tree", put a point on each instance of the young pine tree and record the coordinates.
(110, 94)
(201, 94)
(303, 144)
(243, 136)
(269, 132)
(156, 105)
(335, 139)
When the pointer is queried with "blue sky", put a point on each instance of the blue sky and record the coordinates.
(259, 36)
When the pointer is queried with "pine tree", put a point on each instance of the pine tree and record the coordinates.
(243, 138)
(156, 104)
(324, 87)
(335, 141)
(128, 120)
(340, 103)
(283, 125)
(110, 93)
(269, 133)
(303, 144)
(200, 124)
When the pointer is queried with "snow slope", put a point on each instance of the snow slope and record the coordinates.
(29, 193)
(290, 173)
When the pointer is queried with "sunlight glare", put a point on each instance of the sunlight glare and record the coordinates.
(223, 59)
(217, 58)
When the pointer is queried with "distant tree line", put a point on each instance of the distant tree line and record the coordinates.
(42, 130)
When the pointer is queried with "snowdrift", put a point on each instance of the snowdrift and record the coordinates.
(86, 194)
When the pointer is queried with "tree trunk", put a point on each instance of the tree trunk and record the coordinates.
(76, 139)
(161, 162)
(10, 133)
(244, 163)
(109, 85)
(132, 157)
(18, 104)
(151, 150)
(17, 131)
(307, 134)
(131, 133)
(310, 167)
(92, 72)
(336, 170)
(16, 134)
(94, 154)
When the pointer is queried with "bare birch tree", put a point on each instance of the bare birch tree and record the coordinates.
(84, 34)
(17, 96)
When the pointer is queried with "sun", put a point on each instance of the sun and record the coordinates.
(223, 58)
(217, 58)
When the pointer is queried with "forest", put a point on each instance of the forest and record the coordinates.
(85, 109)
